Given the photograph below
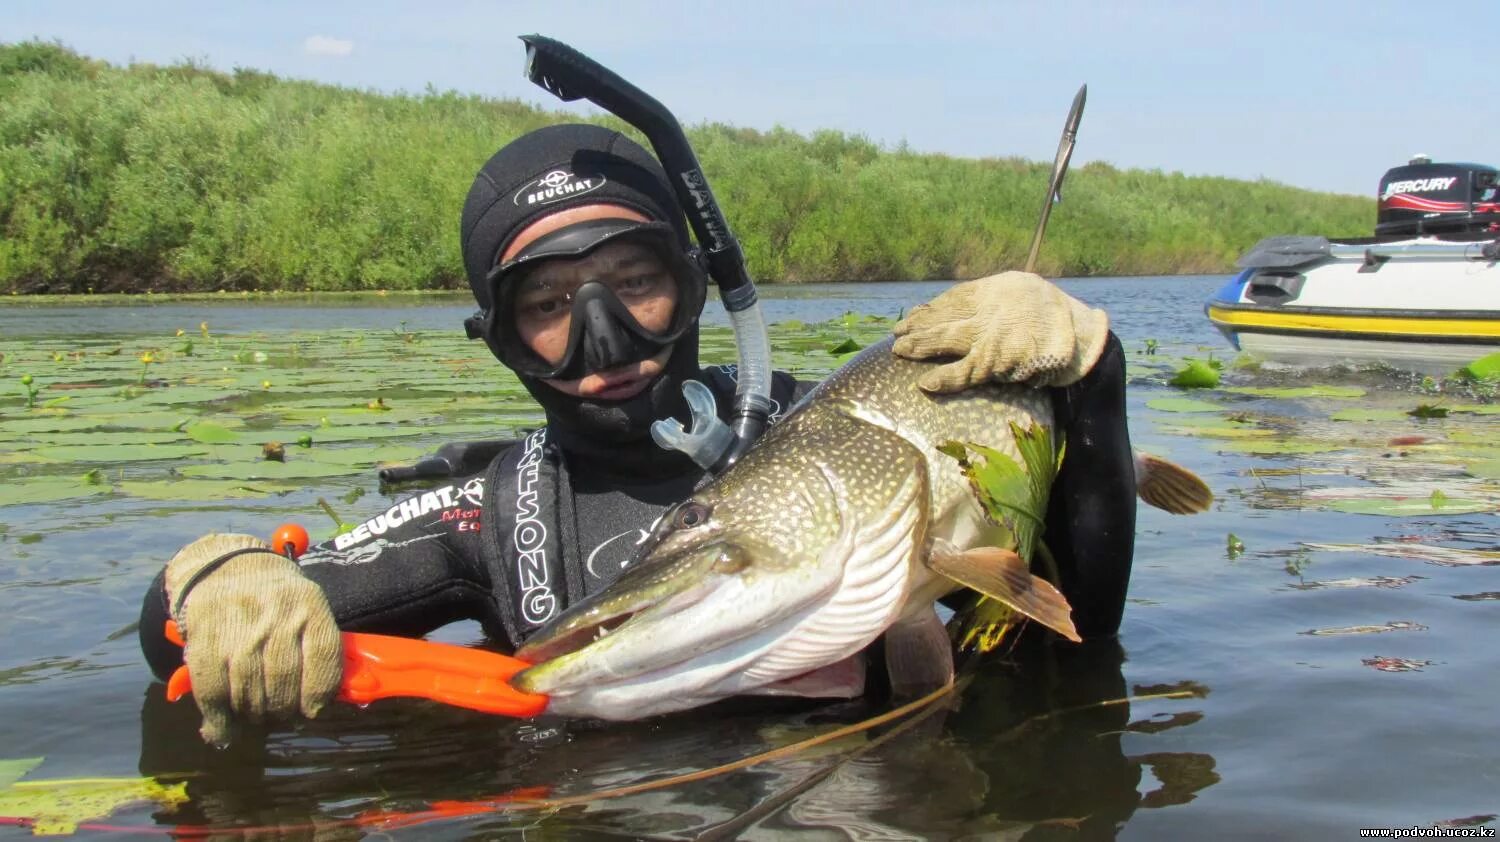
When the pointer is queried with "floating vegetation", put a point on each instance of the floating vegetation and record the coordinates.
(59, 806)
(1183, 405)
(1394, 625)
(1198, 374)
(1388, 582)
(1234, 547)
(261, 416)
(1389, 664)
(1430, 553)
(1299, 391)
(1484, 368)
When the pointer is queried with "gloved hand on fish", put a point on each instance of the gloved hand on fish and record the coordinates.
(847, 521)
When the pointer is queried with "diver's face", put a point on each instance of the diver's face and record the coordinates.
(544, 312)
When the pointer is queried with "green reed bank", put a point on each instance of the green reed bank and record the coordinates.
(186, 179)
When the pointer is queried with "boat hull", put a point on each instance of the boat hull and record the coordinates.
(1405, 309)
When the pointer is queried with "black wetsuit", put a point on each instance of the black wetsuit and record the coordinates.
(544, 525)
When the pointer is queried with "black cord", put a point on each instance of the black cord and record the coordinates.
(203, 572)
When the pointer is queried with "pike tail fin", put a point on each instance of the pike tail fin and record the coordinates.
(1171, 488)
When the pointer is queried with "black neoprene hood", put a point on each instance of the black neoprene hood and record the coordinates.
(550, 170)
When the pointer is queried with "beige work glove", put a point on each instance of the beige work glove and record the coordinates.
(261, 640)
(1008, 328)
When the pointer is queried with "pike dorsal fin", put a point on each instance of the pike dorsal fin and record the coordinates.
(1171, 488)
(1002, 575)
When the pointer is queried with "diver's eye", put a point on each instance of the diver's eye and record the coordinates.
(690, 515)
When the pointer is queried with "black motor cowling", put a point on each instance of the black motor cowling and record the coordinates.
(1426, 198)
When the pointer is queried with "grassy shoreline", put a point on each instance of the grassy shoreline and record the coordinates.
(182, 179)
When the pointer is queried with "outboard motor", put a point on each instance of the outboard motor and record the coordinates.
(1426, 198)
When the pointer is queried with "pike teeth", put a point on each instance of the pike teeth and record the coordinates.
(607, 627)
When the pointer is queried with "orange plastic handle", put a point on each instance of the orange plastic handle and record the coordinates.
(378, 666)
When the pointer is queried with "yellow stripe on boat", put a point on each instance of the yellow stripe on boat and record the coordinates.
(1330, 323)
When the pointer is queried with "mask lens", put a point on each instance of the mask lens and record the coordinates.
(621, 298)
(635, 276)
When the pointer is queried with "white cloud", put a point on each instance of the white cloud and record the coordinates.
(322, 45)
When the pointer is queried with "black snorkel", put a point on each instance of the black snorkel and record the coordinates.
(570, 75)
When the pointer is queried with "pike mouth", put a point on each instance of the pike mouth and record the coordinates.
(545, 650)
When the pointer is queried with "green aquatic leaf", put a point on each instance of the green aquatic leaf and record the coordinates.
(1476, 408)
(101, 438)
(1299, 391)
(1183, 405)
(1359, 413)
(1429, 411)
(14, 769)
(190, 489)
(1484, 368)
(1197, 374)
(848, 346)
(57, 807)
(1233, 546)
(120, 452)
(366, 456)
(263, 470)
(1410, 507)
(1484, 468)
(210, 433)
(1014, 496)
(25, 490)
(1279, 447)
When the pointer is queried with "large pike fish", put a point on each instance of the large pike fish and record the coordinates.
(843, 523)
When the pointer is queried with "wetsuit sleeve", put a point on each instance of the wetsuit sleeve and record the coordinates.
(408, 570)
(1091, 513)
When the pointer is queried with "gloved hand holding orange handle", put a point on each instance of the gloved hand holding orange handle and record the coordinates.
(380, 667)
(370, 666)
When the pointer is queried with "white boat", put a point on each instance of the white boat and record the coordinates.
(1423, 294)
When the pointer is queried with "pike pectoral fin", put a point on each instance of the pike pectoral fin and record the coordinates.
(1171, 488)
(1002, 575)
(918, 655)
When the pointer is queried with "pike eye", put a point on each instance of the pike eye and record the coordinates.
(690, 515)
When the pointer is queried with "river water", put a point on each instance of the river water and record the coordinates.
(1311, 657)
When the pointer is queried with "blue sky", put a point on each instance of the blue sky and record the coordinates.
(1323, 95)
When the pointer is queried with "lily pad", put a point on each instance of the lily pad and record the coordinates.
(57, 807)
(100, 438)
(1299, 391)
(120, 452)
(210, 433)
(1280, 446)
(20, 492)
(1484, 469)
(365, 456)
(264, 470)
(1411, 506)
(1183, 405)
(12, 770)
(190, 489)
(1360, 413)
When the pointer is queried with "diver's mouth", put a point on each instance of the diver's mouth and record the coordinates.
(573, 640)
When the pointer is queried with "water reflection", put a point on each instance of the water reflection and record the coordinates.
(1033, 747)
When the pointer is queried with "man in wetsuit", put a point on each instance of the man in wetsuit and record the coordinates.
(589, 289)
